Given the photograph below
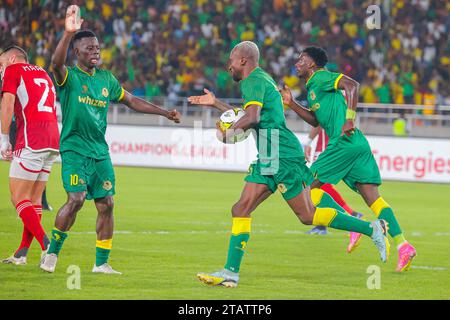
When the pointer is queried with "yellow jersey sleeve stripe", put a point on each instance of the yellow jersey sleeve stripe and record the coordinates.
(122, 94)
(65, 79)
(337, 81)
(252, 102)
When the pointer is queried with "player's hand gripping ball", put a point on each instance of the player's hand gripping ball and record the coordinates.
(227, 119)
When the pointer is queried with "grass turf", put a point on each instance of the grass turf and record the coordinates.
(171, 224)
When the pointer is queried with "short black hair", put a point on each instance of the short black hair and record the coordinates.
(318, 55)
(14, 47)
(83, 34)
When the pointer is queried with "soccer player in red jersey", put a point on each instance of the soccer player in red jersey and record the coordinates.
(28, 94)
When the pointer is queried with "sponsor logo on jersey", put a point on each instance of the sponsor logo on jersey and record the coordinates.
(84, 88)
(92, 102)
(105, 92)
(107, 185)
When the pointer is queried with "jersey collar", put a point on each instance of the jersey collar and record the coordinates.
(91, 75)
(256, 68)
(307, 81)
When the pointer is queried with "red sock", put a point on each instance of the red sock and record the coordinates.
(27, 236)
(31, 221)
(328, 188)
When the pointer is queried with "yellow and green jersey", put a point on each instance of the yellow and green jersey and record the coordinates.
(327, 102)
(85, 99)
(273, 139)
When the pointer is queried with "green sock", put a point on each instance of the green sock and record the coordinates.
(57, 241)
(384, 211)
(240, 235)
(102, 250)
(101, 256)
(329, 217)
(334, 215)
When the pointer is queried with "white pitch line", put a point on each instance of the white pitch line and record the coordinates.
(429, 268)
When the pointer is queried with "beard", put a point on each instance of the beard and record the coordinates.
(236, 77)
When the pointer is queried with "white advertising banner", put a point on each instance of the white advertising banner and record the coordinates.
(407, 159)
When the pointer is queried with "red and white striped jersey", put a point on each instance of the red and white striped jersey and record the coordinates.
(34, 107)
(322, 141)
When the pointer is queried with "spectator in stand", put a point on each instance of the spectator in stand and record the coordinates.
(183, 43)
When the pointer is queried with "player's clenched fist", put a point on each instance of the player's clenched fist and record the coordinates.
(73, 19)
(174, 115)
(6, 148)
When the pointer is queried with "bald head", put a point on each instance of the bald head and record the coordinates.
(248, 50)
(244, 58)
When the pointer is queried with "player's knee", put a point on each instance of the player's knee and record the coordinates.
(76, 201)
(305, 217)
(108, 205)
(240, 209)
(105, 206)
(13, 200)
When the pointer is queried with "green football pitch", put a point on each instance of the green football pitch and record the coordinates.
(171, 224)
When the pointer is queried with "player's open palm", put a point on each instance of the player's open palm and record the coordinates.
(73, 19)
(286, 94)
(207, 99)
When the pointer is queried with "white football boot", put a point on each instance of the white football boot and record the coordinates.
(17, 261)
(48, 262)
(105, 268)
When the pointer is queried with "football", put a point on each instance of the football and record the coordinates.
(230, 117)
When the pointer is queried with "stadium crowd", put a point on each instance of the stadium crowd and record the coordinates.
(178, 47)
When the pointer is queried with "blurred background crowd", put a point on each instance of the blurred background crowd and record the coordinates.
(177, 48)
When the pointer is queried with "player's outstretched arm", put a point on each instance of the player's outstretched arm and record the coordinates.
(7, 110)
(209, 99)
(72, 25)
(140, 105)
(351, 88)
(303, 112)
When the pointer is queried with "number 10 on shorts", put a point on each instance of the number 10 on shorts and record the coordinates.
(73, 179)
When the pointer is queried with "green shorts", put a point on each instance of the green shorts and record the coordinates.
(290, 176)
(349, 159)
(81, 173)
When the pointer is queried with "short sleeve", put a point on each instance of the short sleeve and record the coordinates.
(66, 80)
(253, 93)
(116, 91)
(10, 81)
(329, 80)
